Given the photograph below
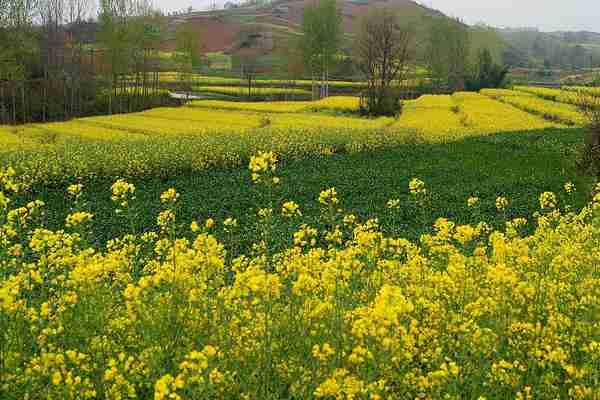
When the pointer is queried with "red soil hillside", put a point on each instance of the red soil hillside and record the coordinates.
(220, 29)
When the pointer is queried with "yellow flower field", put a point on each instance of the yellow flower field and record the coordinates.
(486, 115)
(255, 91)
(568, 95)
(345, 312)
(12, 140)
(592, 91)
(550, 110)
(209, 134)
(170, 77)
(447, 118)
(270, 107)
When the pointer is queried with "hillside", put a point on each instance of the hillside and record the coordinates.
(277, 21)
(567, 50)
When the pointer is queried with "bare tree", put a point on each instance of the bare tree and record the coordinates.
(384, 50)
(77, 11)
(17, 49)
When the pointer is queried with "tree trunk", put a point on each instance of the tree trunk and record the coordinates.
(24, 110)
(2, 105)
(14, 105)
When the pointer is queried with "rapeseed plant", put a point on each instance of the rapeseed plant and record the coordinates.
(345, 312)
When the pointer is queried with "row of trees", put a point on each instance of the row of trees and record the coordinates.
(385, 47)
(451, 63)
(40, 75)
(65, 58)
(550, 50)
(55, 63)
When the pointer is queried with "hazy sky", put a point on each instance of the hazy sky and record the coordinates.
(543, 14)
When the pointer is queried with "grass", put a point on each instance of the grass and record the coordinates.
(518, 165)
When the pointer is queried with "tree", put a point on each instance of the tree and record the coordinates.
(78, 10)
(18, 50)
(114, 37)
(291, 67)
(128, 30)
(321, 27)
(486, 73)
(186, 55)
(187, 42)
(247, 53)
(384, 50)
(447, 53)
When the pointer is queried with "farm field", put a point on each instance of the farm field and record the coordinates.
(299, 200)
(535, 104)
(363, 258)
(224, 134)
(170, 77)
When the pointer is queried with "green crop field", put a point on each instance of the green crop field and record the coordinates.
(297, 250)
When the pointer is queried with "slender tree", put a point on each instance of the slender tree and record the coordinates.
(17, 52)
(187, 54)
(447, 53)
(322, 35)
(77, 11)
(123, 34)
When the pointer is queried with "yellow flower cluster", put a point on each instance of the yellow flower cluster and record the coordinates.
(75, 190)
(570, 188)
(416, 187)
(291, 209)
(472, 201)
(548, 201)
(329, 197)
(393, 204)
(263, 166)
(78, 218)
(169, 197)
(501, 203)
(122, 193)
(345, 312)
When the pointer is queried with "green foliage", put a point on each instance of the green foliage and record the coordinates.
(18, 40)
(187, 54)
(321, 25)
(530, 163)
(483, 37)
(486, 73)
(534, 49)
(447, 53)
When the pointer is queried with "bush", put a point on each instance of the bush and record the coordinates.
(389, 104)
(589, 162)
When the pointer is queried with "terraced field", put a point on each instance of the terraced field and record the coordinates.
(217, 133)
(295, 250)
(548, 109)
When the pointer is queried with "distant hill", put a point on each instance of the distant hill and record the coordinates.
(278, 20)
(264, 29)
(568, 50)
